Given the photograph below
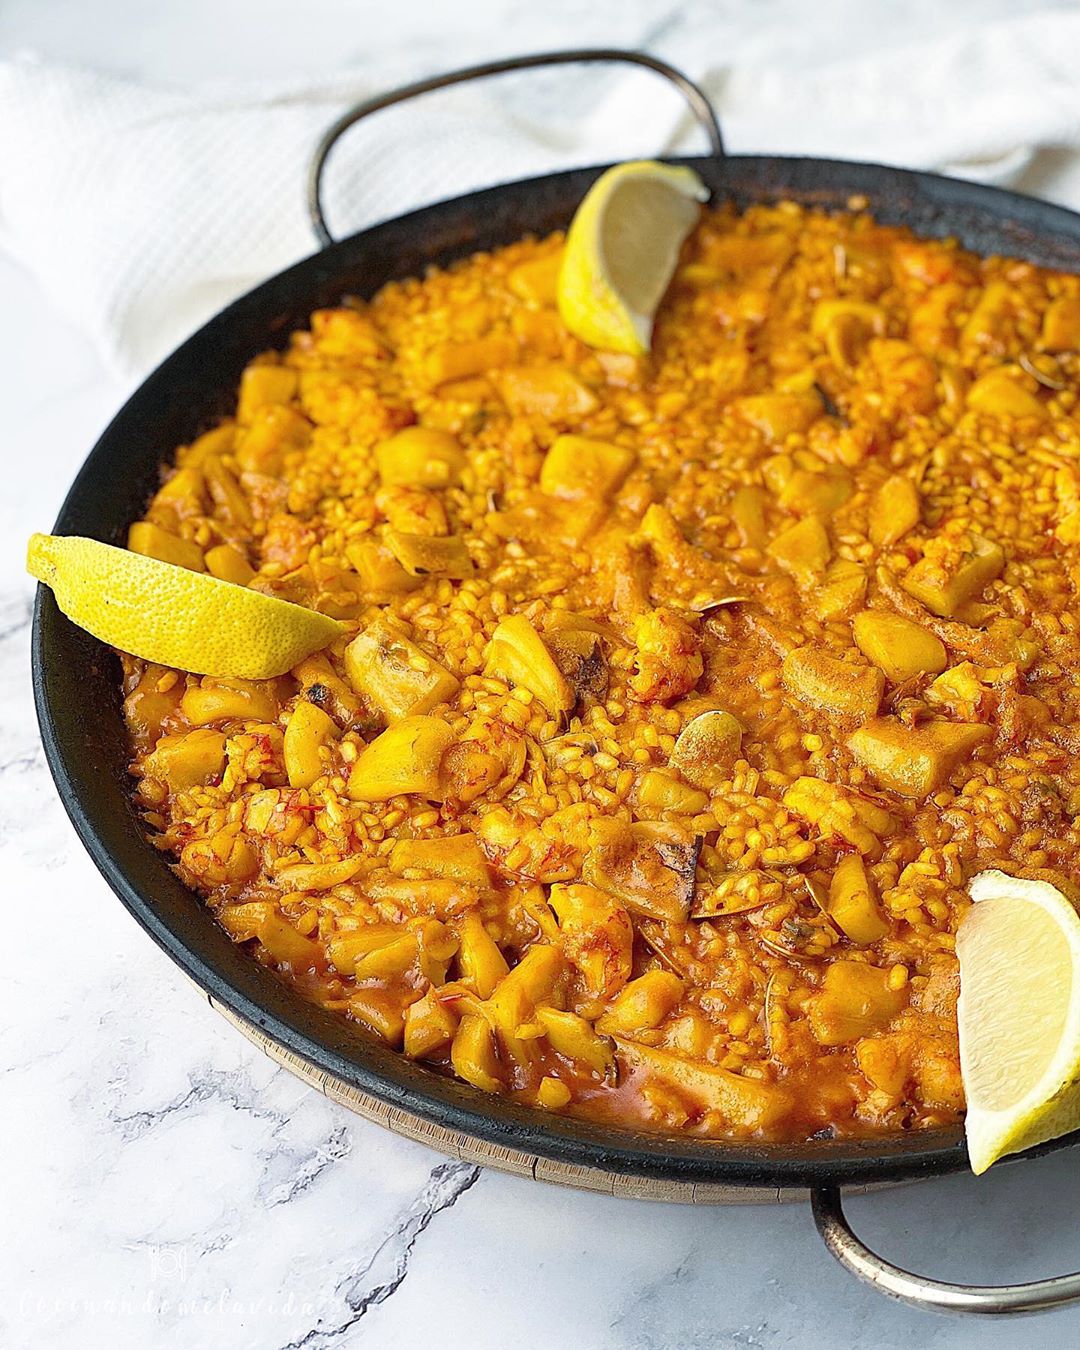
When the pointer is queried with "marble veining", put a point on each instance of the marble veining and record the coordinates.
(165, 1185)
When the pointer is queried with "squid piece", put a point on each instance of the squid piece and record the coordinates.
(742, 1103)
(481, 963)
(456, 857)
(393, 673)
(571, 1036)
(650, 866)
(852, 905)
(643, 1004)
(307, 733)
(517, 654)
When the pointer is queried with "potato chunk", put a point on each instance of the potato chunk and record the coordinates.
(953, 571)
(899, 647)
(779, 416)
(843, 589)
(263, 385)
(1061, 325)
(840, 687)
(1005, 393)
(393, 673)
(807, 492)
(517, 654)
(188, 760)
(803, 550)
(742, 1103)
(577, 467)
(308, 730)
(550, 392)
(424, 555)
(420, 457)
(894, 510)
(458, 360)
(380, 573)
(852, 905)
(915, 761)
(855, 1000)
(275, 429)
(229, 564)
(154, 542)
(404, 759)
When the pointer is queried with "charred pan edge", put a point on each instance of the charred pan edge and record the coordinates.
(76, 680)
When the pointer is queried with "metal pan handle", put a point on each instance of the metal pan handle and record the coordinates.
(921, 1292)
(699, 105)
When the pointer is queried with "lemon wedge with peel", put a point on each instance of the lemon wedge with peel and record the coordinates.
(621, 251)
(174, 616)
(1019, 1016)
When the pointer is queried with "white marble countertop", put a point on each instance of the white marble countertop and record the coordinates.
(164, 1185)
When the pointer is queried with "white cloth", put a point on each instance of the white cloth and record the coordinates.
(142, 211)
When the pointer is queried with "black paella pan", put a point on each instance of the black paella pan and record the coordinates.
(76, 685)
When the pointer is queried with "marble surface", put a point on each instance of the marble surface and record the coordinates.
(164, 1185)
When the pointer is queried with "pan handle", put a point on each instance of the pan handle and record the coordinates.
(699, 105)
(918, 1290)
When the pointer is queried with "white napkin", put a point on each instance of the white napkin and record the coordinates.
(141, 211)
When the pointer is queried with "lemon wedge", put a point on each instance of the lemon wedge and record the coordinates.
(1019, 1016)
(621, 251)
(174, 616)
